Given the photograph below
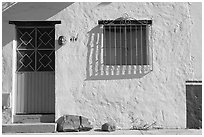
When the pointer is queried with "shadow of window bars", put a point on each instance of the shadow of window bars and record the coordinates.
(119, 52)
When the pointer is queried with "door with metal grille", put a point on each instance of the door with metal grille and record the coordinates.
(35, 74)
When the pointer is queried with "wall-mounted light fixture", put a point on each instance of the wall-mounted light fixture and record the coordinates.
(62, 40)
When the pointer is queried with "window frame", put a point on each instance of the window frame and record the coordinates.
(127, 22)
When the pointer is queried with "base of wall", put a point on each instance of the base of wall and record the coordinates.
(39, 118)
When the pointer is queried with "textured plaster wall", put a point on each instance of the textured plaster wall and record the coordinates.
(158, 96)
(196, 40)
(125, 99)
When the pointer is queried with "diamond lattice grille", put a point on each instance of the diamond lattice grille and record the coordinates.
(45, 38)
(26, 38)
(25, 60)
(45, 60)
(35, 49)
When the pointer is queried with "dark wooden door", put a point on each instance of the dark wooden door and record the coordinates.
(35, 74)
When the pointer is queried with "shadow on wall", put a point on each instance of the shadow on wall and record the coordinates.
(104, 3)
(95, 68)
(28, 11)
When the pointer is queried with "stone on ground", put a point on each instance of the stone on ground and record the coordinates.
(73, 123)
(85, 124)
(110, 126)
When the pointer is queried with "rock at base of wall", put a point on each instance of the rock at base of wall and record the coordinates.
(110, 126)
(73, 123)
(85, 124)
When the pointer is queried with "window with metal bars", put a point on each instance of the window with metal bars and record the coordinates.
(35, 48)
(126, 42)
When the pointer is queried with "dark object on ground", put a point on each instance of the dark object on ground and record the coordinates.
(73, 123)
(110, 126)
(6, 116)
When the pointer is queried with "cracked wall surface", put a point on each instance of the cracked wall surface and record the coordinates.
(127, 100)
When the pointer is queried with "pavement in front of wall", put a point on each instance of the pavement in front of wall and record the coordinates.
(124, 132)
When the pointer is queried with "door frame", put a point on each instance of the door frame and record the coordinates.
(14, 60)
(14, 66)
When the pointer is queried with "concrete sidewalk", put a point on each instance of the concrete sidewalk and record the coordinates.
(124, 132)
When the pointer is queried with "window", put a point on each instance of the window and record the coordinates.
(126, 42)
(35, 49)
(35, 45)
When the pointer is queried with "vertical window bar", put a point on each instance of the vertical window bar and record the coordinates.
(104, 44)
(141, 48)
(147, 44)
(136, 45)
(102, 51)
(120, 45)
(110, 44)
(131, 43)
(126, 45)
(151, 49)
(115, 45)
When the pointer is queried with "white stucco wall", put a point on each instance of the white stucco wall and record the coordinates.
(158, 96)
(196, 39)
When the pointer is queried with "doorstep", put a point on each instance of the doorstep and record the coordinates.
(34, 118)
(29, 128)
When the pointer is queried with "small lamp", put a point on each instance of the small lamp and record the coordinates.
(62, 40)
